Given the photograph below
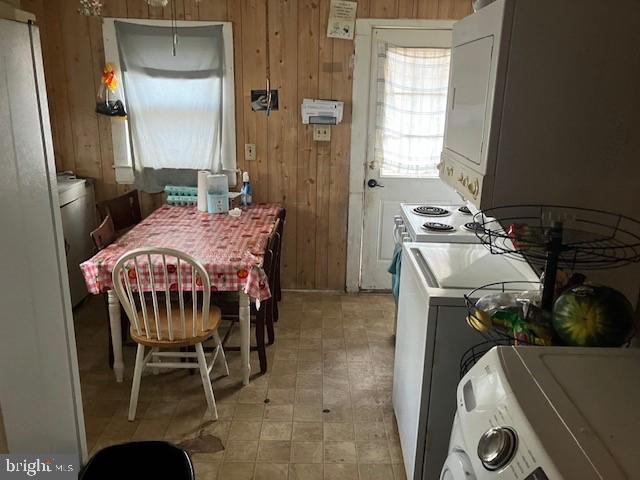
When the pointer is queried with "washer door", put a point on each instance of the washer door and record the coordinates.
(457, 467)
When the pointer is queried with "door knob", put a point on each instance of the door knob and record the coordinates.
(372, 183)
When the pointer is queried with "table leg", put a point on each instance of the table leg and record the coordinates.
(245, 335)
(116, 335)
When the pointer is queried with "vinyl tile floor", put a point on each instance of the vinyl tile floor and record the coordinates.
(323, 410)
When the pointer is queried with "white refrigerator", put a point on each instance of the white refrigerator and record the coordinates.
(39, 379)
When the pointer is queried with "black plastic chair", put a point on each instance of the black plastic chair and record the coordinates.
(139, 460)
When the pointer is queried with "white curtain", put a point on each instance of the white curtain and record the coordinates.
(411, 106)
(174, 103)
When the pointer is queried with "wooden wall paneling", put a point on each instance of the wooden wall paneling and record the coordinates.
(339, 172)
(261, 119)
(80, 78)
(48, 19)
(283, 124)
(115, 8)
(137, 9)
(462, 8)
(234, 13)
(446, 8)
(308, 40)
(158, 12)
(166, 13)
(276, 122)
(384, 8)
(254, 57)
(407, 8)
(364, 9)
(58, 99)
(428, 8)
(290, 144)
(190, 8)
(213, 10)
(248, 40)
(323, 160)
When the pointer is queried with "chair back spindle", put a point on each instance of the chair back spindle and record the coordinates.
(156, 270)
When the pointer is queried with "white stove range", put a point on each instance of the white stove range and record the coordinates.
(437, 223)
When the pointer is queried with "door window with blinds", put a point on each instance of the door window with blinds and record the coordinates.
(411, 99)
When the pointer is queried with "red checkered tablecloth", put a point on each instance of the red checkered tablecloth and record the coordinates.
(231, 249)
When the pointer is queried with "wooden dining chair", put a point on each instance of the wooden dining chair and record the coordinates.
(124, 210)
(278, 262)
(263, 317)
(273, 270)
(105, 234)
(171, 326)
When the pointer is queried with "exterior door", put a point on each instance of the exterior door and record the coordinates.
(408, 81)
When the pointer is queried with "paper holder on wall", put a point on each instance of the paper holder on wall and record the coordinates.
(322, 112)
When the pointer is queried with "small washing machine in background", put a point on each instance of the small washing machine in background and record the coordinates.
(548, 413)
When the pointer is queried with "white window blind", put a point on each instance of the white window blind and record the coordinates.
(411, 106)
(180, 112)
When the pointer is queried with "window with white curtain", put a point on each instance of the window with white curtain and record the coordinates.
(411, 106)
(180, 107)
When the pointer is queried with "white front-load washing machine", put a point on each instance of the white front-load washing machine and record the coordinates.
(457, 465)
(548, 413)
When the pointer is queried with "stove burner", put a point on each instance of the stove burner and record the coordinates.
(427, 211)
(438, 227)
(464, 209)
(473, 226)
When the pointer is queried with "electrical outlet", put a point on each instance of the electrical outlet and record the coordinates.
(322, 133)
(249, 151)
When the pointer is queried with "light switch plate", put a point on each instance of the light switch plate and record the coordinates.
(322, 133)
(249, 151)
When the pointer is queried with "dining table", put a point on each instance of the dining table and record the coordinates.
(231, 249)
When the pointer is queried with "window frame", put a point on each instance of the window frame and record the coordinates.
(391, 34)
(120, 134)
